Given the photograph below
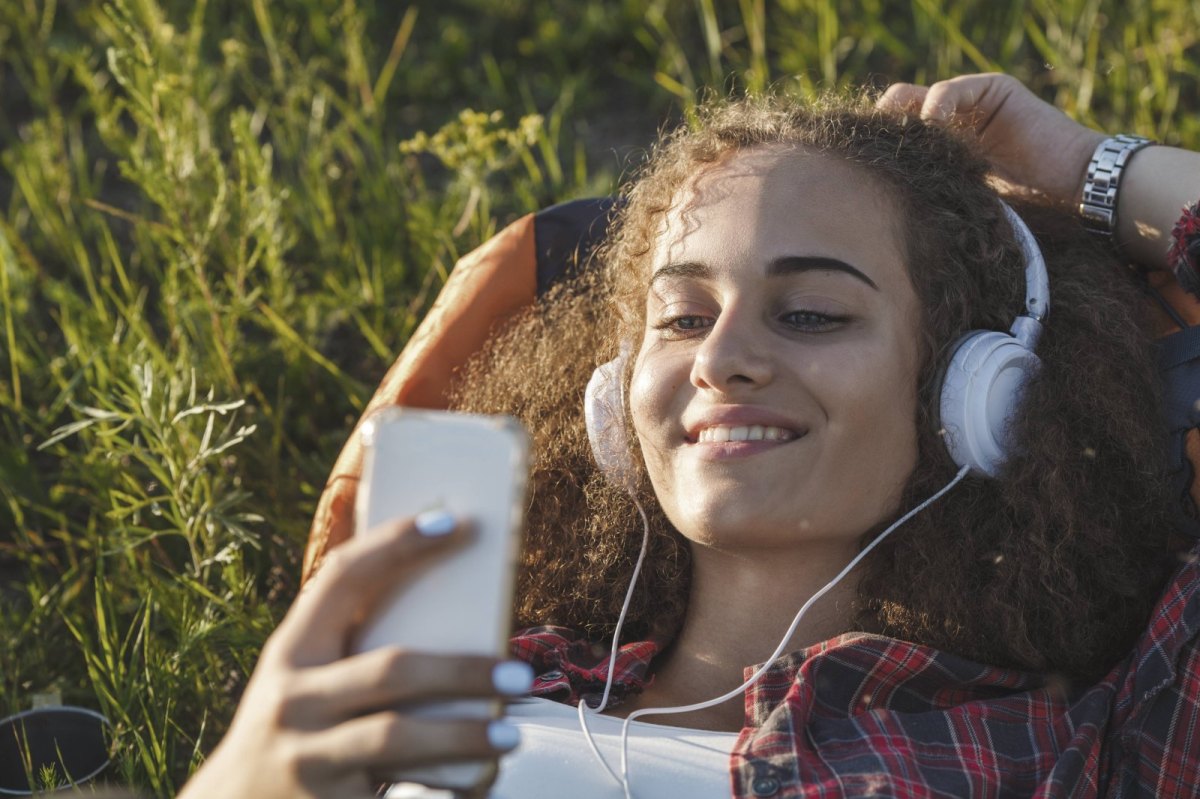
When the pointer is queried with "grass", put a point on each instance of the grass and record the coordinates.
(222, 219)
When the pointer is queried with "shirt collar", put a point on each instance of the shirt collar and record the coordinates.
(859, 672)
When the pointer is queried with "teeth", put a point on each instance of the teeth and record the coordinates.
(755, 432)
(717, 434)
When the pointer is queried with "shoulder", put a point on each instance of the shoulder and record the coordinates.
(1157, 702)
(1171, 635)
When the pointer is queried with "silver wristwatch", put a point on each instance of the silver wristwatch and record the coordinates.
(1099, 205)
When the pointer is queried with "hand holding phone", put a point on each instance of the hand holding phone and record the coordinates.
(316, 720)
(475, 468)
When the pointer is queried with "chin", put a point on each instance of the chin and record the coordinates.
(740, 518)
(721, 526)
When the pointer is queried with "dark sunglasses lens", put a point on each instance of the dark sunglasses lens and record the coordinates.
(66, 742)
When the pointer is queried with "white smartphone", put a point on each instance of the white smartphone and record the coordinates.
(475, 467)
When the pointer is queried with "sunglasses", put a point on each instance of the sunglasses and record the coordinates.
(51, 748)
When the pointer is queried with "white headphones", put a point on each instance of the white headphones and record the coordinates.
(603, 406)
(984, 380)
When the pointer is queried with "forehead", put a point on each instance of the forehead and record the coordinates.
(761, 205)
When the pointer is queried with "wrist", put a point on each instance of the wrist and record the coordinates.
(1162, 181)
(1103, 180)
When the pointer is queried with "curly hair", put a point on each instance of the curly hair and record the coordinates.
(1053, 567)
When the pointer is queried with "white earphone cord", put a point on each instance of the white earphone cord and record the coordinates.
(612, 658)
(623, 779)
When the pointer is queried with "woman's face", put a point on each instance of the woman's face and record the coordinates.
(774, 394)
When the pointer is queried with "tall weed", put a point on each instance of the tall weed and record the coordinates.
(221, 220)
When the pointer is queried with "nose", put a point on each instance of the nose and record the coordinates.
(733, 355)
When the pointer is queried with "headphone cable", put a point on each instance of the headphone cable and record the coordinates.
(623, 778)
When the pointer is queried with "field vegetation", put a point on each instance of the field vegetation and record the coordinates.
(221, 219)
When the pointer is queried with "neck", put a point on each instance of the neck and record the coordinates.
(739, 608)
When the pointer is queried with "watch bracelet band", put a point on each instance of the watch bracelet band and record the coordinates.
(1098, 208)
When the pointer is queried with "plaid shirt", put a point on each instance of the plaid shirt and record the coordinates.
(864, 715)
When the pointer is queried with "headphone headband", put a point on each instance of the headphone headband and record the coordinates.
(1037, 281)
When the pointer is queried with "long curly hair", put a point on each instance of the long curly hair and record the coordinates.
(1053, 567)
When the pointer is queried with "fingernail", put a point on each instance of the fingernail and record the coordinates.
(503, 736)
(434, 523)
(512, 678)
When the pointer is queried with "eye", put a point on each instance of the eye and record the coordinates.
(692, 322)
(813, 321)
(683, 325)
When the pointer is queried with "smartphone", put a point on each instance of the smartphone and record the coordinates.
(475, 467)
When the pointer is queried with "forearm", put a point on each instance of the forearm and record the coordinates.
(1156, 186)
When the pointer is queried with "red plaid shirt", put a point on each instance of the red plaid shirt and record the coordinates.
(864, 715)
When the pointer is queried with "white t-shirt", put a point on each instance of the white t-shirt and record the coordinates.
(554, 759)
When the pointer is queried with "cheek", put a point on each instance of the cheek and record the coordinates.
(892, 427)
(872, 405)
(653, 397)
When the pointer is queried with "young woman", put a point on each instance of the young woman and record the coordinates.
(790, 284)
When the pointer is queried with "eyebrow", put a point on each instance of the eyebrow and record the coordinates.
(785, 265)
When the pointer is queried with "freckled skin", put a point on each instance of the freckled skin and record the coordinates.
(834, 355)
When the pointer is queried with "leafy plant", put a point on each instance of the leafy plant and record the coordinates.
(221, 220)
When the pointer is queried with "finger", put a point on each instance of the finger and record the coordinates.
(902, 98)
(354, 578)
(391, 677)
(389, 742)
(965, 100)
(941, 102)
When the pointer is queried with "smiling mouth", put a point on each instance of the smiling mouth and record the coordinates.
(720, 434)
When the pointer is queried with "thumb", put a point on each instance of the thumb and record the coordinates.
(354, 578)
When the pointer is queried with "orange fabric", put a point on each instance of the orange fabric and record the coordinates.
(487, 286)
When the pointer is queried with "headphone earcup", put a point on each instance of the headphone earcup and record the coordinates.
(603, 411)
(982, 387)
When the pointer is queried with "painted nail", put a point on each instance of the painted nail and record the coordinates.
(512, 678)
(503, 736)
(434, 523)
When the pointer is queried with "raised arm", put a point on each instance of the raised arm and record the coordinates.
(1036, 149)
